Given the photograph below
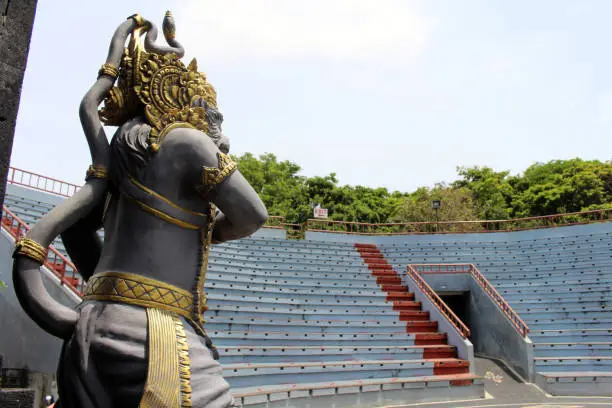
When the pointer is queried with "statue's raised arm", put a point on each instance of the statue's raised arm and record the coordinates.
(164, 191)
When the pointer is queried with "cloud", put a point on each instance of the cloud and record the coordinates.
(330, 29)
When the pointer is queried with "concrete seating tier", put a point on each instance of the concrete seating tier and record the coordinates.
(571, 335)
(312, 314)
(346, 339)
(341, 393)
(308, 318)
(279, 354)
(560, 286)
(249, 375)
(574, 349)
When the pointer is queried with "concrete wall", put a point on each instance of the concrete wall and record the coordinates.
(492, 333)
(22, 342)
(15, 33)
(482, 237)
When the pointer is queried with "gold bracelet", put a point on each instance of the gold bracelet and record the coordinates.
(138, 18)
(96, 171)
(30, 249)
(108, 69)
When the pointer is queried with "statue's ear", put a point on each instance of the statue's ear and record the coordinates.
(193, 65)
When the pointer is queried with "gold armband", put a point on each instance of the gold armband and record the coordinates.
(110, 70)
(30, 249)
(96, 171)
(213, 176)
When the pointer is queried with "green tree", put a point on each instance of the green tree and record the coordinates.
(561, 186)
(457, 205)
(491, 191)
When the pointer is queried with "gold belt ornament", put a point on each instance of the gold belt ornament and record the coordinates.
(139, 290)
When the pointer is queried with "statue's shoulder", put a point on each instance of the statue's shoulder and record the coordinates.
(187, 143)
(180, 134)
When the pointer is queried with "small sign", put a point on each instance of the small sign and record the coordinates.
(435, 204)
(320, 212)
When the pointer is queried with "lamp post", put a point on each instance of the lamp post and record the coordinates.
(435, 205)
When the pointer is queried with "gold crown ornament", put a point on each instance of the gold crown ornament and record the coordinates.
(155, 83)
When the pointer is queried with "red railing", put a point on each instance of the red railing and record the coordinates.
(460, 227)
(40, 182)
(62, 188)
(438, 302)
(56, 262)
(275, 221)
(514, 318)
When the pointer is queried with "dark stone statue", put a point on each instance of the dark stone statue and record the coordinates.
(164, 190)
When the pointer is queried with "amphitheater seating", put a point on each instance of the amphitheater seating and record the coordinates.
(560, 286)
(292, 317)
(298, 318)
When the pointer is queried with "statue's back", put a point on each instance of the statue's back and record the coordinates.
(164, 191)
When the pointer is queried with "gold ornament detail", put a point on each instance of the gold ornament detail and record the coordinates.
(159, 87)
(30, 249)
(139, 290)
(212, 176)
(96, 171)
(110, 70)
(184, 363)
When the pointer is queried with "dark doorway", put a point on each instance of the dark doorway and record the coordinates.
(459, 303)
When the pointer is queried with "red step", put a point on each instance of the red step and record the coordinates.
(375, 261)
(399, 296)
(439, 352)
(388, 280)
(380, 267)
(413, 315)
(392, 287)
(451, 367)
(384, 272)
(372, 254)
(421, 327)
(406, 305)
(365, 245)
(430, 339)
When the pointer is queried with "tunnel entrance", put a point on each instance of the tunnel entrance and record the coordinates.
(459, 303)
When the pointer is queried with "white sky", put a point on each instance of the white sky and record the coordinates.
(392, 93)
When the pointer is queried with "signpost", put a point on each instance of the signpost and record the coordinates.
(436, 204)
(320, 212)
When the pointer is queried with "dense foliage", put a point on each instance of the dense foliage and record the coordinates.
(480, 192)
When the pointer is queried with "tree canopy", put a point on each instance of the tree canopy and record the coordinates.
(558, 186)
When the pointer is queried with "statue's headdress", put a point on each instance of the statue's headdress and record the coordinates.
(155, 83)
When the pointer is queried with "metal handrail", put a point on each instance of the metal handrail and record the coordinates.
(55, 262)
(40, 182)
(65, 189)
(461, 328)
(489, 289)
(275, 222)
(460, 227)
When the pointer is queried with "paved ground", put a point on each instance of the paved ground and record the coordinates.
(505, 390)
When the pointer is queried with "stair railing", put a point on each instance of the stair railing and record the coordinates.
(56, 262)
(489, 289)
(461, 328)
